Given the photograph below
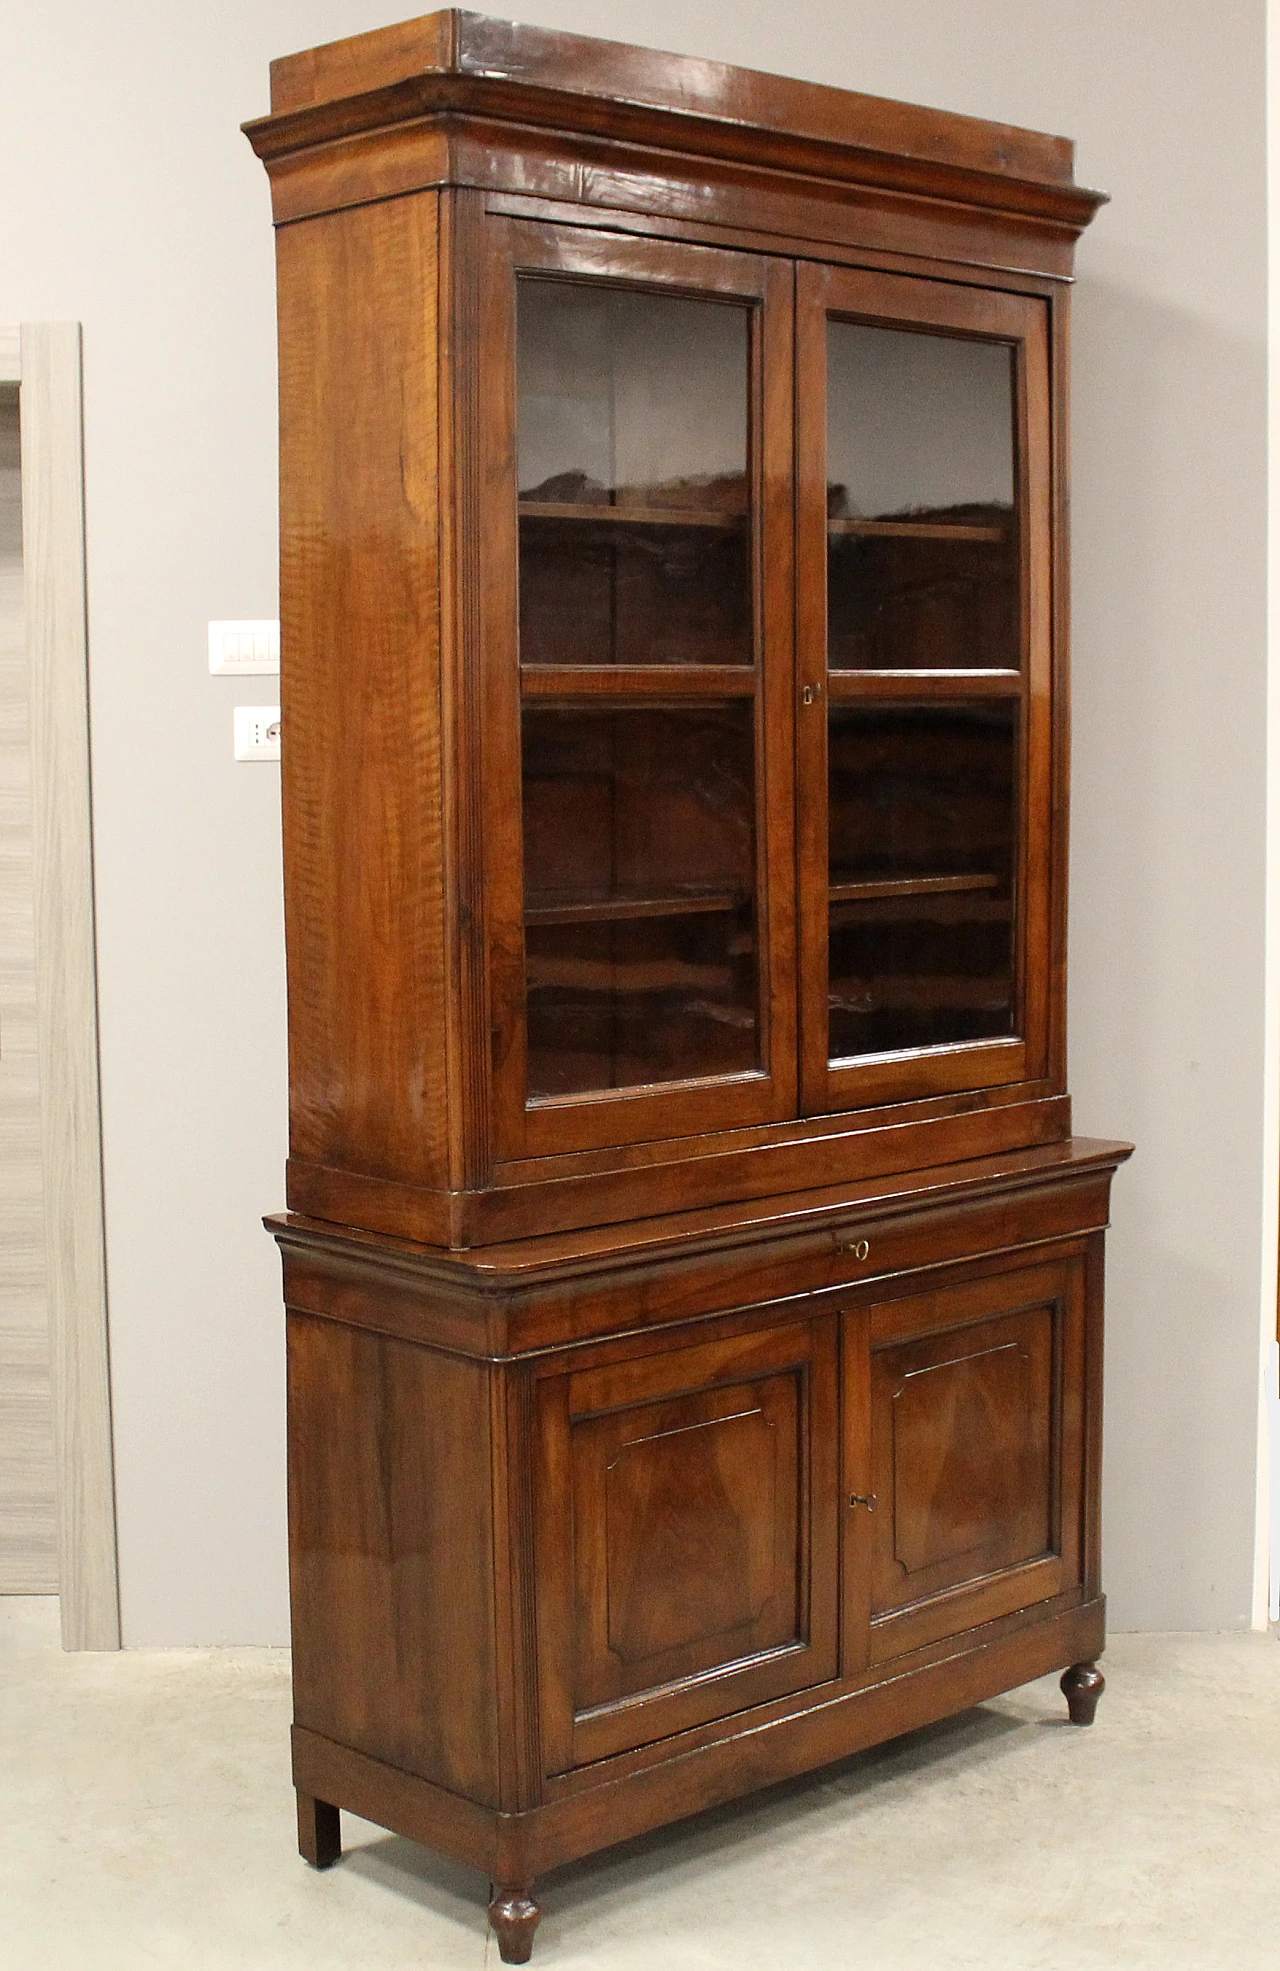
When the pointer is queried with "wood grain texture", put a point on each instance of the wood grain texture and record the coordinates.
(458, 61)
(670, 1411)
(391, 1553)
(716, 1171)
(509, 1299)
(810, 1730)
(467, 566)
(71, 1132)
(687, 1546)
(360, 692)
(976, 1422)
(28, 1509)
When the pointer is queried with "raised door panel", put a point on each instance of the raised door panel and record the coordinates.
(964, 1481)
(686, 1538)
(637, 632)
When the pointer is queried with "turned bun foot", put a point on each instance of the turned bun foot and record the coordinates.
(319, 1832)
(1082, 1686)
(514, 1916)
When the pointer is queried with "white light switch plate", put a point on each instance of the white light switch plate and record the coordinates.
(244, 649)
(257, 732)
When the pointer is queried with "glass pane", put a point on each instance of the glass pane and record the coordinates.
(923, 564)
(635, 530)
(923, 834)
(639, 856)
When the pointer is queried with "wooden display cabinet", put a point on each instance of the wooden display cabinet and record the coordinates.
(694, 1287)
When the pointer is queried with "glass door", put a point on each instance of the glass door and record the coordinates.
(923, 740)
(639, 691)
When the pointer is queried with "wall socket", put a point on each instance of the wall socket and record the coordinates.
(256, 731)
(244, 649)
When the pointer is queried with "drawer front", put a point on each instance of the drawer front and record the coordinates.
(963, 1440)
(685, 1508)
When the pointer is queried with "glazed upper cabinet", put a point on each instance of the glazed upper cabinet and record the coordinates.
(766, 723)
(674, 645)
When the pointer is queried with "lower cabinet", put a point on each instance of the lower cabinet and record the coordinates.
(726, 1523)
(582, 1545)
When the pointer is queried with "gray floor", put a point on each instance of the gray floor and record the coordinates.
(147, 1821)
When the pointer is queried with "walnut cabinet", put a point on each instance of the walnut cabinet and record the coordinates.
(694, 1287)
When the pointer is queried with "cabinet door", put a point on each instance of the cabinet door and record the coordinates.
(686, 1528)
(963, 1449)
(924, 742)
(638, 649)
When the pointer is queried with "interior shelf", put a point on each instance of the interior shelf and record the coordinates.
(918, 530)
(632, 516)
(660, 681)
(615, 910)
(909, 886)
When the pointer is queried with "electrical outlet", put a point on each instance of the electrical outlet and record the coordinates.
(247, 649)
(257, 732)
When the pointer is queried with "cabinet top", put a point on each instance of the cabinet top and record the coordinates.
(454, 61)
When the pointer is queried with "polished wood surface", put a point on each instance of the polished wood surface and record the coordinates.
(514, 1916)
(754, 1749)
(503, 1046)
(576, 87)
(391, 1547)
(687, 1536)
(694, 1288)
(360, 638)
(976, 1412)
(1082, 1686)
(319, 1831)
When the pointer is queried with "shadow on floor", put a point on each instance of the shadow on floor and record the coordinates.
(850, 1788)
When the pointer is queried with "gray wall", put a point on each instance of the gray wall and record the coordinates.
(132, 203)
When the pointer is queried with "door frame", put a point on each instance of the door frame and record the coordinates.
(44, 360)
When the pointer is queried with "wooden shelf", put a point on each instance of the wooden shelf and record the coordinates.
(919, 530)
(920, 993)
(909, 886)
(631, 516)
(628, 976)
(619, 910)
(659, 681)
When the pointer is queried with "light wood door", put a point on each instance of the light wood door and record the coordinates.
(28, 1526)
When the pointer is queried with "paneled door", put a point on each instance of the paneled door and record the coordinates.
(638, 653)
(686, 1527)
(963, 1428)
(923, 737)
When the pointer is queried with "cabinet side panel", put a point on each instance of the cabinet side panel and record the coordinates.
(391, 1552)
(360, 689)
